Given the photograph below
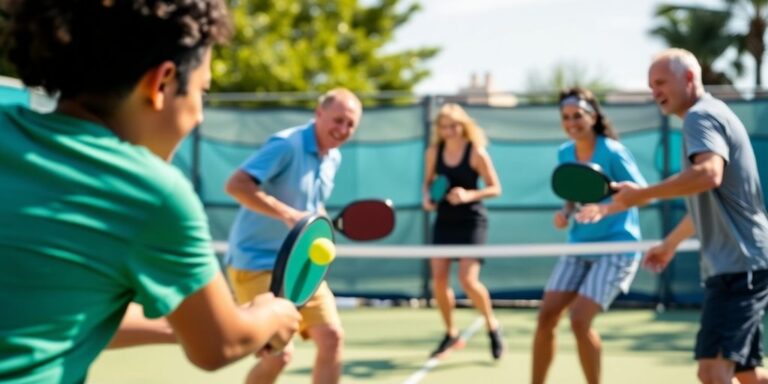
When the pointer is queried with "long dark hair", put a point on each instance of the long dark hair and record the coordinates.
(603, 126)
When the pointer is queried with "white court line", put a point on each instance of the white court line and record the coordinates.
(434, 362)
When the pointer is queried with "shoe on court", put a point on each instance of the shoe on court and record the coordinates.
(447, 343)
(497, 345)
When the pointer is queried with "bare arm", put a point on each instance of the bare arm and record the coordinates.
(658, 257)
(136, 329)
(705, 174)
(214, 331)
(682, 231)
(592, 213)
(247, 192)
(483, 164)
(321, 209)
(562, 215)
(429, 176)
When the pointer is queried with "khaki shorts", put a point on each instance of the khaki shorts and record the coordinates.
(319, 310)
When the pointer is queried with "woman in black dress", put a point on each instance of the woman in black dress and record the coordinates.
(457, 152)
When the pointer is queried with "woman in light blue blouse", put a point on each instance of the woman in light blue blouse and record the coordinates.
(587, 285)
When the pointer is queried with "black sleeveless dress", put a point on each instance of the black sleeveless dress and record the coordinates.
(464, 223)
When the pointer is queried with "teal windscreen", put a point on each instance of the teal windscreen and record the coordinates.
(385, 160)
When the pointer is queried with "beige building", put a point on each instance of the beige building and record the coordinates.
(483, 93)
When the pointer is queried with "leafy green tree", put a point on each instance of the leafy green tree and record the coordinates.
(703, 32)
(755, 13)
(315, 45)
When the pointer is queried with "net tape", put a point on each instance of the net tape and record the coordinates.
(492, 251)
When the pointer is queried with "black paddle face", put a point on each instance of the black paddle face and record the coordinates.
(581, 183)
(366, 220)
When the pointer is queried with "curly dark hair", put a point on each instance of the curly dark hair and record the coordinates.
(102, 48)
(602, 125)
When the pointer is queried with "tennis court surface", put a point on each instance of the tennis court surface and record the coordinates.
(391, 345)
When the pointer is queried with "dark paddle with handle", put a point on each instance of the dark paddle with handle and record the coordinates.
(365, 220)
(303, 261)
(581, 183)
(308, 250)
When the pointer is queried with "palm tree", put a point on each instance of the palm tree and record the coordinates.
(701, 31)
(753, 41)
(545, 87)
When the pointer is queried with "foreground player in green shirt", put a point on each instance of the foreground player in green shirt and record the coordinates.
(92, 216)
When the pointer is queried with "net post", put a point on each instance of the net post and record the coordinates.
(665, 293)
(195, 166)
(427, 105)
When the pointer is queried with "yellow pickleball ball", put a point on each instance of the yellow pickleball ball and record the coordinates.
(322, 251)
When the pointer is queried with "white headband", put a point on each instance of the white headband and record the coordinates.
(578, 102)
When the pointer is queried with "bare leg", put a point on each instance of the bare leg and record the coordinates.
(755, 376)
(552, 307)
(329, 342)
(583, 312)
(469, 277)
(443, 293)
(716, 371)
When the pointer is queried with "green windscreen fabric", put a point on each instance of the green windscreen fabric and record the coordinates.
(385, 160)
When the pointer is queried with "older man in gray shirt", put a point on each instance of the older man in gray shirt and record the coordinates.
(722, 191)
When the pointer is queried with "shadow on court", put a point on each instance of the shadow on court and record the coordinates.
(650, 331)
(378, 368)
(363, 368)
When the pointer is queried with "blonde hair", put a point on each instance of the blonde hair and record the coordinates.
(472, 132)
(680, 61)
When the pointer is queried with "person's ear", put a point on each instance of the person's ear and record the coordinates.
(689, 76)
(157, 82)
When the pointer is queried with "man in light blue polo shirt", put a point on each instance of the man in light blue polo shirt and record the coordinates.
(290, 177)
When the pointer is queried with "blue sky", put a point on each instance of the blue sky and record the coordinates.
(513, 38)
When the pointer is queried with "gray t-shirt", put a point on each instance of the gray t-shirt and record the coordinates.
(730, 220)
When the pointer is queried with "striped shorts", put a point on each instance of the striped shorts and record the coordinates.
(597, 278)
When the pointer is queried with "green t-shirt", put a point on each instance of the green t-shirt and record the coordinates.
(88, 223)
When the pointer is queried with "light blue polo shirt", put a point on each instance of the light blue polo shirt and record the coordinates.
(619, 165)
(289, 168)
